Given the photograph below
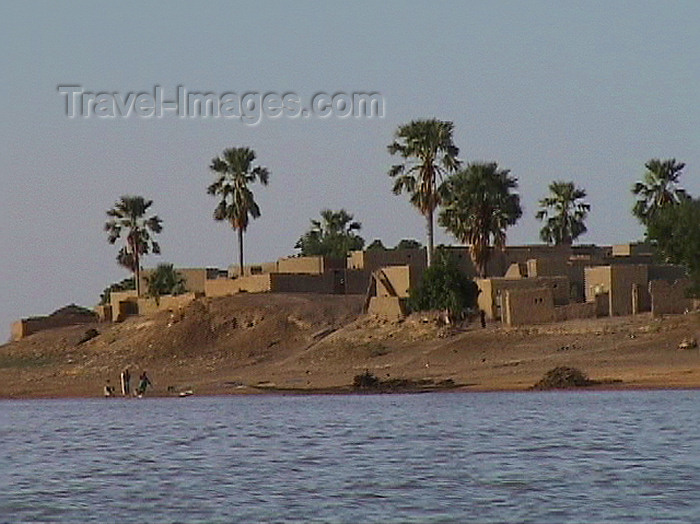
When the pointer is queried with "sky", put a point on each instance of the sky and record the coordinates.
(559, 90)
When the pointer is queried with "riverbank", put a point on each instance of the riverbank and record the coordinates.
(290, 344)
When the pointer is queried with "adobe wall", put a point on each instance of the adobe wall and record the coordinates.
(619, 281)
(251, 284)
(493, 290)
(623, 279)
(166, 302)
(647, 260)
(575, 270)
(376, 258)
(315, 265)
(547, 267)
(602, 304)
(461, 256)
(28, 326)
(516, 270)
(195, 277)
(388, 308)
(356, 260)
(402, 280)
(123, 304)
(487, 300)
(17, 330)
(590, 252)
(521, 254)
(632, 249)
(252, 269)
(575, 311)
(670, 272)
(301, 283)
(668, 298)
(528, 306)
(104, 312)
(356, 281)
(308, 265)
(597, 281)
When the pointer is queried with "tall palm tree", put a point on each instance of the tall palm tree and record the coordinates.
(565, 213)
(659, 188)
(235, 171)
(129, 215)
(335, 235)
(478, 206)
(428, 154)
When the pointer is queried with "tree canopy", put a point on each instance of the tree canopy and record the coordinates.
(129, 216)
(659, 188)
(444, 287)
(126, 284)
(235, 172)
(375, 244)
(408, 243)
(428, 153)
(165, 280)
(335, 235)
(478, 207)
(564, 213)
(675, 232)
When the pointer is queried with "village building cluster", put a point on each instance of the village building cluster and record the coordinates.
(524, 284)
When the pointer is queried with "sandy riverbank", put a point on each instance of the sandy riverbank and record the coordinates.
(314, 343)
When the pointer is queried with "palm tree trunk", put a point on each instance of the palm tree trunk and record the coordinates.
(429, 226)
(240, 250)
(137, 271)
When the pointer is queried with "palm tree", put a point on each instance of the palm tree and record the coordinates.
(659, 188)
(335, 235)
(129, 215)
(235, 172)
(165, 280)
(428, 154)
(478, 207)
(565, 213)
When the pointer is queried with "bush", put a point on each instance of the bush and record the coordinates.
(125, 285)
(674, 230)
(366, 380)
(444, 287)
(165, 280)
(563, 377)
(88, 335)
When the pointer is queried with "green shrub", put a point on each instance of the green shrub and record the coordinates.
(444, 287)
(165, 280)
(564, 377)
(366, 380)
(125, 285)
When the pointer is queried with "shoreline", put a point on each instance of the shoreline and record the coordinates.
(278, 344)
(348, 391)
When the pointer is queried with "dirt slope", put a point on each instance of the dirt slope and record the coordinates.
(262, 342)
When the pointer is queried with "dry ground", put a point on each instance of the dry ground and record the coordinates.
(271, 342)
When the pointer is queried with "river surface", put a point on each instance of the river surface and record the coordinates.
(491, 457)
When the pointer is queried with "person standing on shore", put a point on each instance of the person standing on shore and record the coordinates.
(144, 382)
(125, 381)
(108, 390)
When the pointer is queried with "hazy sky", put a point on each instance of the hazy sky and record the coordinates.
(582, 91)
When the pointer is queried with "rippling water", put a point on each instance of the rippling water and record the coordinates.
(539, 457)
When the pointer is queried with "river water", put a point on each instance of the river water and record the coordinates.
(449, 457)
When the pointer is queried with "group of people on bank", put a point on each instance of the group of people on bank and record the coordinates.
(125, 385)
